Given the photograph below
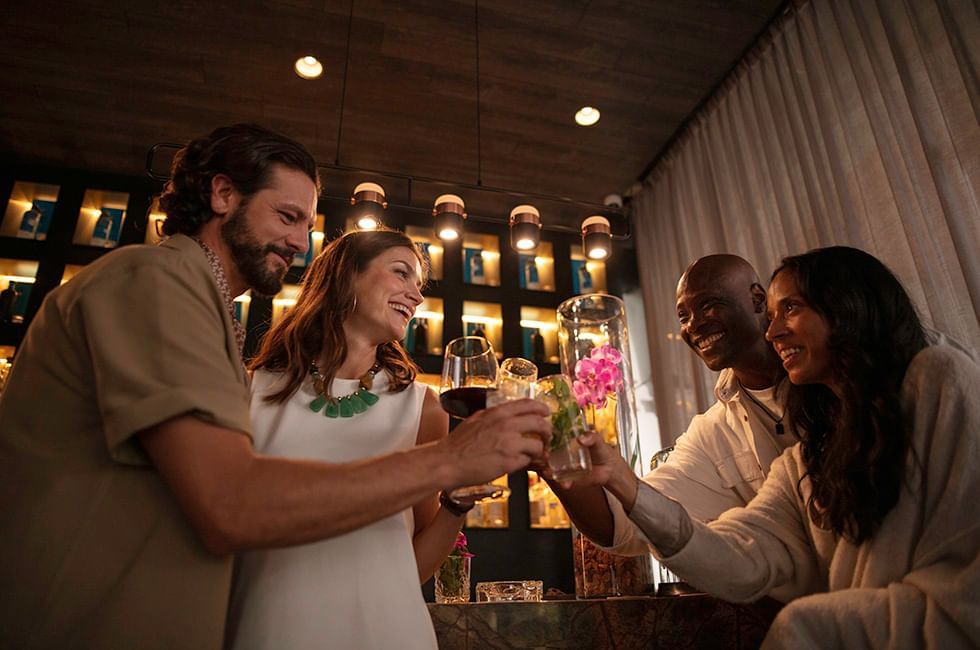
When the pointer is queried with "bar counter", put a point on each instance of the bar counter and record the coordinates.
(691, 621)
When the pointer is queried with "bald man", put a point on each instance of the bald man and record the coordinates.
(722, 459)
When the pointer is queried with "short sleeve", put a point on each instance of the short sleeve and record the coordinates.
(158, 345)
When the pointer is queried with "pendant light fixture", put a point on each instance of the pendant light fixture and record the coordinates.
(369, 204)
(449, 212)
(596, 238)
(525, 228)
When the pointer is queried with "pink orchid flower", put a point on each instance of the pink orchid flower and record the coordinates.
(597, 375)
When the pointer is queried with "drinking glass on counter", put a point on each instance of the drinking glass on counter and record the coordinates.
(469, 372)
(509, 591)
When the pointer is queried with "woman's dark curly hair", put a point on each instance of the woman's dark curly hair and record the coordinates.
(856, 446)
(316, 322)
(244, 153)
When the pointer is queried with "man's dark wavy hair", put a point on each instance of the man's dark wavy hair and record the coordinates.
(856, 447)
(244, 153)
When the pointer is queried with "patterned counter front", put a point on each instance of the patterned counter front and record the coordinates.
(695, 621)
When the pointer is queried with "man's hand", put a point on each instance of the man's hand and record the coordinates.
(499, 440)
(604, 462)
(609, 470)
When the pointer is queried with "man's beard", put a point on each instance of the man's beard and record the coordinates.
(249, 255)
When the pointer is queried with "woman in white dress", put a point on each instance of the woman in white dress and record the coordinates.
(332, 382)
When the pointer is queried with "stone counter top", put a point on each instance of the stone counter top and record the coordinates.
(693, 621)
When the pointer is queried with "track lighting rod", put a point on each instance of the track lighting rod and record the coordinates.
(410, 179)
(475, 187)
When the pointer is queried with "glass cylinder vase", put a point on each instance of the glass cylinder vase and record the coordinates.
(453, 580)
(592, 329)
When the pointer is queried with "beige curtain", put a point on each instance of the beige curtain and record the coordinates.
(851, 122)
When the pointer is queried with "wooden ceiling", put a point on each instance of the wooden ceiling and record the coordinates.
(93, 85)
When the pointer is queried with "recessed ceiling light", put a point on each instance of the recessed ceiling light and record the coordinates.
(308, 67)
(587, 116)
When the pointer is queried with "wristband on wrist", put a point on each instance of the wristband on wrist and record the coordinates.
(453, 507)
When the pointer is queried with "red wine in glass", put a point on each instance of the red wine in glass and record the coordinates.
(464, 401)
(469, 370)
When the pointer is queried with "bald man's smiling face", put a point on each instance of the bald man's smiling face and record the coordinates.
(722, 317)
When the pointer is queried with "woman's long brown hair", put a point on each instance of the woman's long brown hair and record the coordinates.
(326, 300)
(857, 448)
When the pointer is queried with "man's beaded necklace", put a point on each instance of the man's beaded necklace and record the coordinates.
(222, 281)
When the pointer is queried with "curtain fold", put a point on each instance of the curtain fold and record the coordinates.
(850, 122)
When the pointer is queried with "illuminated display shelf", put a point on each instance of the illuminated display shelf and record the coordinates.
(499, 292)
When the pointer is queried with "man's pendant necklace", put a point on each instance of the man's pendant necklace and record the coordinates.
(347, 406)
(772, 416)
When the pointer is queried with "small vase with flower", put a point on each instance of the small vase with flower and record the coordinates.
(453, 575)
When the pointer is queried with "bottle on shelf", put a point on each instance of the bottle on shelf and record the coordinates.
(479, 331)
(102, 233)
(531, 278)
(29, 222)
(537, 495)
(8, 302)
(584, 278)
(477, 275)
(537, 348)
(420, 337)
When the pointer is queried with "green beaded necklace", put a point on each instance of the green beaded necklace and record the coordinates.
(349, 405)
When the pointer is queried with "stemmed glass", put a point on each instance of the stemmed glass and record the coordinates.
(469, 371)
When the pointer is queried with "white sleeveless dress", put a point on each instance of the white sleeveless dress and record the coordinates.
(358, 590)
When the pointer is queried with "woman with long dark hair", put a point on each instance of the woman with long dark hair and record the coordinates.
(332, 382)
(872, 522)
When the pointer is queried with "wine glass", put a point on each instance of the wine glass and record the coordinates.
(469, 371)
(514, 381)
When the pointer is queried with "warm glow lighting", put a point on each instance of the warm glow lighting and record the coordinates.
(525, 228)
(486, 320)
(543, 260)
(284, 302)
(448, 213)
(367, 223)
(370, 203)
(596, 237)
(244, 298)
(430, 315)
(538, 325)
(587, 116)
(435, 249)
(308, 67)
(596, 338)
(23, 279)
(317, 236)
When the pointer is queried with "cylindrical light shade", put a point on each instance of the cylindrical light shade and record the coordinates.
(596, 238)
(448, 211)
(525, 228)
(308, 67)
(371, 203)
